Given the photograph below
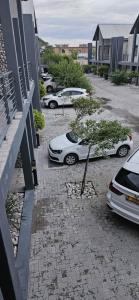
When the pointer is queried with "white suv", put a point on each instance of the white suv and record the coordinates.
(49, 83)
(64, 97)
(123, 194)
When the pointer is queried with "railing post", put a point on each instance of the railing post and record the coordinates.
(6, 102)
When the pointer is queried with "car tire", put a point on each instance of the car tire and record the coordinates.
(123, 151)
(71, 159)
(53, 104)
(49, 89)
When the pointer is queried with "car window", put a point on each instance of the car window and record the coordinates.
(68, 93)
(72, 137)
(74, 93)
(128, 179)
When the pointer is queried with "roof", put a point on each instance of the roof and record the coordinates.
(112, 30)
(74, 88)
(132, 163)
(136, 25)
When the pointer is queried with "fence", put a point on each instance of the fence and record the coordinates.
(7, 103)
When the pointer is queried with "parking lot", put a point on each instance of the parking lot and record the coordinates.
(80, 249)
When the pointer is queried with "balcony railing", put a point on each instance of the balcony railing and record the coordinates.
(125, 57)
(7, 103)
(22, 82)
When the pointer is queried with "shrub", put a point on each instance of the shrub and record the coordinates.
(39, 119)
(87, 68)
(42, 89)
(103, 71)
(132, 75)
(119, 77)
(94, 69)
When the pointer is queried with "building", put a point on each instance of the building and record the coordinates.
(111, 43)
(68, 50)
(131, 59)
(19, 93)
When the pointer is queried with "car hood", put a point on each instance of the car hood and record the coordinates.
(60, 142)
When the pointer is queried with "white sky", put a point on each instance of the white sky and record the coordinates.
(74, 21)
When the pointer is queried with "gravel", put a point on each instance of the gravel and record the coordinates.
(14, 206)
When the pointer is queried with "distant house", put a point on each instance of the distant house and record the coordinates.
(111, 43)
(131, 60)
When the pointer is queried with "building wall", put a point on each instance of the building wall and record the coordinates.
(28, 8)
(3, 61)
(130, 45)
(61, 49)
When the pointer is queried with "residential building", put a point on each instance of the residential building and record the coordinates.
(131, 59)
(19, 93)
(68, 50)
(111, 43)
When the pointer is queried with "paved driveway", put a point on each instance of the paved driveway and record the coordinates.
(80, 250)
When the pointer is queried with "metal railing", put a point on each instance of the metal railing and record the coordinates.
(21, 82)
(30, 70)
(125, 57)
(7, 103)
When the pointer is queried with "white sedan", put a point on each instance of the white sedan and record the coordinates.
(69, 149)
(64, 97)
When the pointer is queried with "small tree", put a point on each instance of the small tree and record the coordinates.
(42, 89)
(85, 107)
(103, 135)
(39, 119)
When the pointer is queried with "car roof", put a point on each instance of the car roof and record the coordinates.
(74, 89)
(132, 163)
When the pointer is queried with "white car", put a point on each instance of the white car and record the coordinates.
(68, 148)
(64, 97)
(123, 194)
(49, 83)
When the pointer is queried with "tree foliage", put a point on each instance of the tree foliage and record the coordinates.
(39, 119)
(85, 106)
(105, 134)
(42, 89)
(70, 74)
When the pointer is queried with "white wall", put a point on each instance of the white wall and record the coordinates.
(28, 8)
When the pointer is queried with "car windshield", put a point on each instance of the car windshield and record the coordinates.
(58, 93)
(72, 137)
(128, 179)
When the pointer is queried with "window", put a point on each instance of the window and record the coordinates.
(73, 138)
(68, 93)
(136, 50)
(128, 179)
(76, 93)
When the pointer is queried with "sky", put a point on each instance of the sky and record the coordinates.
(74, 21)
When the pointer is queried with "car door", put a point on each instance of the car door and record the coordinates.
(66, 98)
(76, 94)
(83, 148)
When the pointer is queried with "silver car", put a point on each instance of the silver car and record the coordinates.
(123, 194)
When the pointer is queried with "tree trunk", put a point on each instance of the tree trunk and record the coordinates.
(85, 171)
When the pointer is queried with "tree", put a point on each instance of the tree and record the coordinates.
(102, 135)
(39, 119)
(42, 89)
(70, 74)
(85, 107)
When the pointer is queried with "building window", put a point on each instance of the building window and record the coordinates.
(136, 50)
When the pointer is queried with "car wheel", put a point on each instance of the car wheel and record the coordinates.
(123, 151)
(71, 159)
(53, 104)
(49, 89)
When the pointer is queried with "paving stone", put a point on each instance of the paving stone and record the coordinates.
(79, 249)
